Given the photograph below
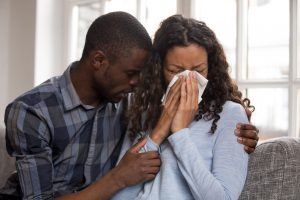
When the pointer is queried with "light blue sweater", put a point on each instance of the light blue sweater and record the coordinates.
(195, 163)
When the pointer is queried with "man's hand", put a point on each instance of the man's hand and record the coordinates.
(247, 134)
(136, 167)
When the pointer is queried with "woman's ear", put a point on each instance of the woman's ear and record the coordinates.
(98, 60)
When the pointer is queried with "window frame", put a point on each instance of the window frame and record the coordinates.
(187, 8)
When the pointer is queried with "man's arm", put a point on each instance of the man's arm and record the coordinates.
(28, 140)
(134, 168)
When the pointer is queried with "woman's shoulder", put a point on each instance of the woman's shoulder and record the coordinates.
(232, 106)
(233, 110)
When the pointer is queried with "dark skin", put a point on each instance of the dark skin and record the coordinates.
(247, 134)
(134, 167)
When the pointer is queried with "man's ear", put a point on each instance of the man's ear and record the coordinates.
(98, 60)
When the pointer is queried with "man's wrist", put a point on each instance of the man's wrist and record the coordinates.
(116, 179)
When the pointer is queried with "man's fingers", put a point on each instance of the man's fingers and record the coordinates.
(137, 147)
(246, 127)
(153, 170)
(150, 177)
(251, 134)
(247, 142)
(248, 149)
(149, 155)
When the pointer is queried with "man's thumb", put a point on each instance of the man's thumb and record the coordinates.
(137, 147)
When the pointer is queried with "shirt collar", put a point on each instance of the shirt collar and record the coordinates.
(70, 97)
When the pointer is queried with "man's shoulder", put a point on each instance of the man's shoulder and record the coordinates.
(40, 93)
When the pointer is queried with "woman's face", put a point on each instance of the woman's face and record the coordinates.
(178, 59)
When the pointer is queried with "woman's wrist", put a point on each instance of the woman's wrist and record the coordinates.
(157, 136)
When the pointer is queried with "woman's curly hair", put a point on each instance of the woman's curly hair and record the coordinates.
(173, 32)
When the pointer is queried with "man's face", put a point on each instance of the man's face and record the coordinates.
(122, 76)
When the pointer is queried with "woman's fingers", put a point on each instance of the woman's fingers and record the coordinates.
(195, 90)
(174, 91)
(192, 92)
(183, 91)
(189, 90)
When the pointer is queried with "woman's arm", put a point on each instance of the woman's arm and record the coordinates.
(226, 178)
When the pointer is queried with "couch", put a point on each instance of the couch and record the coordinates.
(7, 163)
(273, 174)
(274, 171)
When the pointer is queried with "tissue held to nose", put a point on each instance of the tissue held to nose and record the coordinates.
(202, 82)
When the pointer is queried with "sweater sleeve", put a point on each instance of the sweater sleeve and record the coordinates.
(226, 178)
(128, 143)
(133, 192)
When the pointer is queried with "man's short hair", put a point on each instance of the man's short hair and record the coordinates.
(114, 34)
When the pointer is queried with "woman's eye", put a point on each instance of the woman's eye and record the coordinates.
(175, 71)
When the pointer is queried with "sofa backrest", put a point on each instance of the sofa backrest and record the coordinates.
(7, 163)
(274, 171)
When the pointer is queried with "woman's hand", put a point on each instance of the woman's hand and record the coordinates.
(162, 129)
(188, 105)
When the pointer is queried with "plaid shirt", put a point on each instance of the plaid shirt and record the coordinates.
(61, 145)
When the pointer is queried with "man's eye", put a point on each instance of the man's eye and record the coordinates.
(131, 74)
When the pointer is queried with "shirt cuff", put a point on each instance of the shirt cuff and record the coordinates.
(151, 146)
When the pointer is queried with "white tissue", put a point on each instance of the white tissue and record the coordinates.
(202, 82)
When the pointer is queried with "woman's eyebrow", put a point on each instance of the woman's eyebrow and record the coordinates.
(196, 66)
(178, 66)
(193, 67)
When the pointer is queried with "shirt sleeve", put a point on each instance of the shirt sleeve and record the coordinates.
(28, 139)
(132, 192)
(226, 178)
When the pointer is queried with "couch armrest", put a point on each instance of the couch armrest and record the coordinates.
(274, 171)
(7, 165)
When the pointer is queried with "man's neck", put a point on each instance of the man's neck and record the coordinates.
(82, 81)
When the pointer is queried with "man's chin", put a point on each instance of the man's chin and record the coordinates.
(117, 98)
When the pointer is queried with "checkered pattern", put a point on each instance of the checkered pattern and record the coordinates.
(60, 144)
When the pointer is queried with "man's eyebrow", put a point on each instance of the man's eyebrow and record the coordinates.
(134, 70)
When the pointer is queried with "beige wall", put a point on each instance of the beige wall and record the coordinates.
(31, 45)
(17, 44)
(4, 36)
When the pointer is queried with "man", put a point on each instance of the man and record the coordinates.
(66, 133)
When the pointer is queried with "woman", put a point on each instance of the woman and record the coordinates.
(200, 156)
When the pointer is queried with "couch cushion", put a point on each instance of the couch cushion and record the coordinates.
(7, 165)
(274, 171)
